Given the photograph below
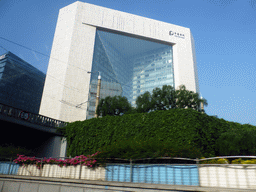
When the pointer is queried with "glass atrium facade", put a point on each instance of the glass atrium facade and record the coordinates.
(21, 84)
(129, 67)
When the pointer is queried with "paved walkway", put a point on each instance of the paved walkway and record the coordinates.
(14, 183)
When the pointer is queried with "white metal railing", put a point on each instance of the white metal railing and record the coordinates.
(30, 117)
(157, 171)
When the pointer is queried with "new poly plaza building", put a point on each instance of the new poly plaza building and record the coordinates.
(133, 54)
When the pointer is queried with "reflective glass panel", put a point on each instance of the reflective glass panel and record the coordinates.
(129, 66)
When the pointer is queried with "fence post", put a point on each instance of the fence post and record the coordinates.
(41, 167)
(130, 170)
(181, 171)
(80, 169)
(246, 178)
(190, 175)
(198, 165)
(9, 166)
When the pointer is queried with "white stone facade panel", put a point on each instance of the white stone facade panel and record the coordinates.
(67, 82)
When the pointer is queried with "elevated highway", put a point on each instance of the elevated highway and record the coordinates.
(32, 131)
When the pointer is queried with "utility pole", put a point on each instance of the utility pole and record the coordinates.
(98, 95)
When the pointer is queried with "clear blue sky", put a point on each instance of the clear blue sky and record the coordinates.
(224, 32)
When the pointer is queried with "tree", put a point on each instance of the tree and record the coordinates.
(144, 103)
(188, 99)
(169, 98)
(160, 99)
(114, 106)
(163, 99)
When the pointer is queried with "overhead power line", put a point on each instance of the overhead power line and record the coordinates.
(54, 78)
(35, 51)
(48, 56)
(24, 47)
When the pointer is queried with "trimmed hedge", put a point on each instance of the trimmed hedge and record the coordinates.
(139, 149)
(239, 140)
(180, 127)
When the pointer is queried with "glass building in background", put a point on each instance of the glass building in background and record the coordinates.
(21, 84)
(128, 66)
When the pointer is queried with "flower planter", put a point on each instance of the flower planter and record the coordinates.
(69, 172)
(93, 174)
(28, 170)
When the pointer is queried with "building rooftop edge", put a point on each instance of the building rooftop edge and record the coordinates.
(80, 2)
(13, 56)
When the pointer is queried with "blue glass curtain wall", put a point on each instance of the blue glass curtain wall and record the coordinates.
(21, 84)
(129, 67)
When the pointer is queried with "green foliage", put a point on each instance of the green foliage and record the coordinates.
(237, 161)
(215, 161)
(168, 98)
(164, 99)
(144, 103)
(114, 106)
(160, 99)
(182, 127)
(239, 140)
(11, 151)
(227, 161)
(251, 161)
(136, 148)
(188, 99)
(167, 124)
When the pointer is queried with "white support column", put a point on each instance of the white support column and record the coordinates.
(63, 147)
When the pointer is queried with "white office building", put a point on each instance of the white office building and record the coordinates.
(134, 54)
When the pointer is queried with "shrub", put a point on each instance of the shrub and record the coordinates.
(182, 127)
(136, 149)
(240, 161)
(215, 161)
(237, 141)
(11, 151)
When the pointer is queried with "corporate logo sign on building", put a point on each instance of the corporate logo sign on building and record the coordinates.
(175, 34)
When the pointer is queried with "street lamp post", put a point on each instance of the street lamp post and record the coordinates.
(98, 95)
(202, 105)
